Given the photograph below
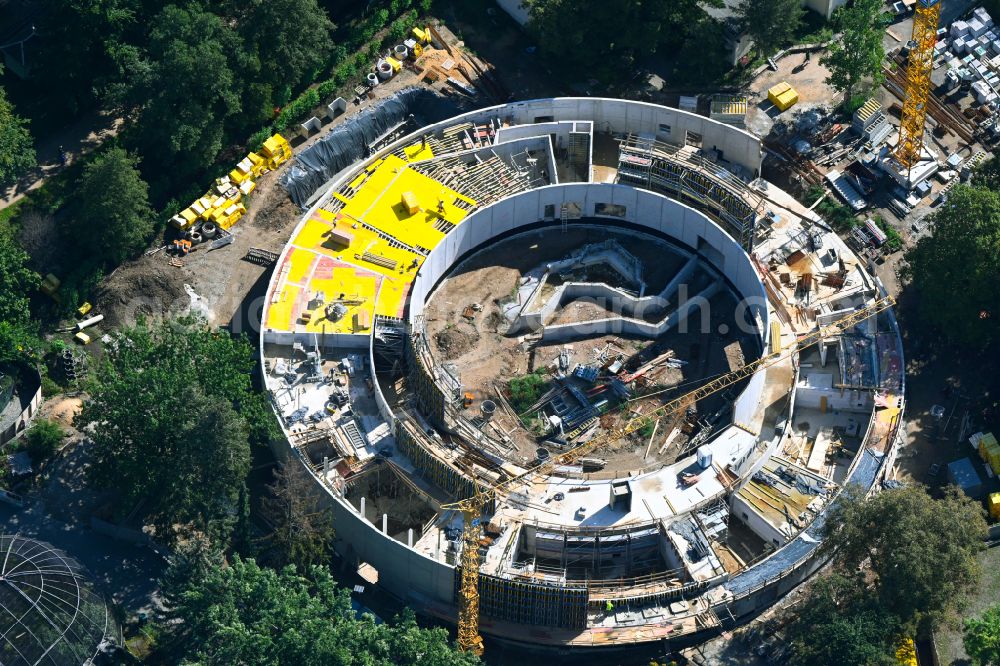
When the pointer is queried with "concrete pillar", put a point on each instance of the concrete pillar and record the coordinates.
(822, 353)
(362, 509)
(409, 538)
(385, 523)
(685, 309)
(683, 274)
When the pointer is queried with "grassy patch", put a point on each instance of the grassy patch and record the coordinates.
(526, 390)
(893, 240)
(8, 215)
(949, 637)
(837, 215)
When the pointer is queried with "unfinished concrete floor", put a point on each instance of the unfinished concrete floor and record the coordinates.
(486, 359)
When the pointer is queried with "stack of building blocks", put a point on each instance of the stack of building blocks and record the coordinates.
(223, 204)
(989, 451)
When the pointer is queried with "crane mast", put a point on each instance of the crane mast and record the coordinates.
(918, 82)
(472, 507)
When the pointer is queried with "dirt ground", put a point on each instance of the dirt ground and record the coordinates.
(152, 287)
(61, 409)
(486, 359)
(809, 83)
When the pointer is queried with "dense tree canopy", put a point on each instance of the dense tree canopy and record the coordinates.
(840, 623)
(981, 637)
(168, 424)
(111, 217)
(17, 152)
(956, 269)
(771, 23)
(183, 88)
(601, 39)
(245, 614)
(18, 339)
(291, 40)
(919, 552)
(84, 40)
(857, 55)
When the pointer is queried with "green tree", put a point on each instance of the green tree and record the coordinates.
(18, 334)
(165, 410)
(16, 280)
(302, 529)
(771, 23)
(111, 217)
(918, 552)
(245, 614)
(858, 54)
(987, 175)
(291, 39)
(183, 90)
(42, 439)
(981, 637)
(954, 271)
(17, 152)
(839, 623)
(84, 40)
(600, 39)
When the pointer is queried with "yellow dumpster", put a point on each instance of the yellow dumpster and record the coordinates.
(993, 505)
(84, 309)
(82, 338)
(783, 96)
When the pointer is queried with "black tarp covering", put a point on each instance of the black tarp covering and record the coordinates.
(350, 142)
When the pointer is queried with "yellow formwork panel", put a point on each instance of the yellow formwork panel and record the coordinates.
(354, 288)
(281, 307)
(379, 204)
(392, 297)
(993, 505)
(312, 233)
(300, 262)
(418, 152)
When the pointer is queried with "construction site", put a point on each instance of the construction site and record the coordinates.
(572, 374)
(581, 375)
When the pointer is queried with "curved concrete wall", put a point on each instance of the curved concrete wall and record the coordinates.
(648, 210)
(624, 116)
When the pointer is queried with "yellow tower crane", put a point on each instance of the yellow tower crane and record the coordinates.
(918, 82)
(472, 507)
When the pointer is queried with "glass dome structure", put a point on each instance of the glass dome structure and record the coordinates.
(50, 613)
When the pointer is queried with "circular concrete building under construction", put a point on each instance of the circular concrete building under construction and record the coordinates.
(571, 374)
(51, 614)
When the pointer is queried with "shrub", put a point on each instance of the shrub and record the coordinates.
(43, 439)
(525, 391)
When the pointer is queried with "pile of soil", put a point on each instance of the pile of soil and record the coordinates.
(141, 288)
(455, 340)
